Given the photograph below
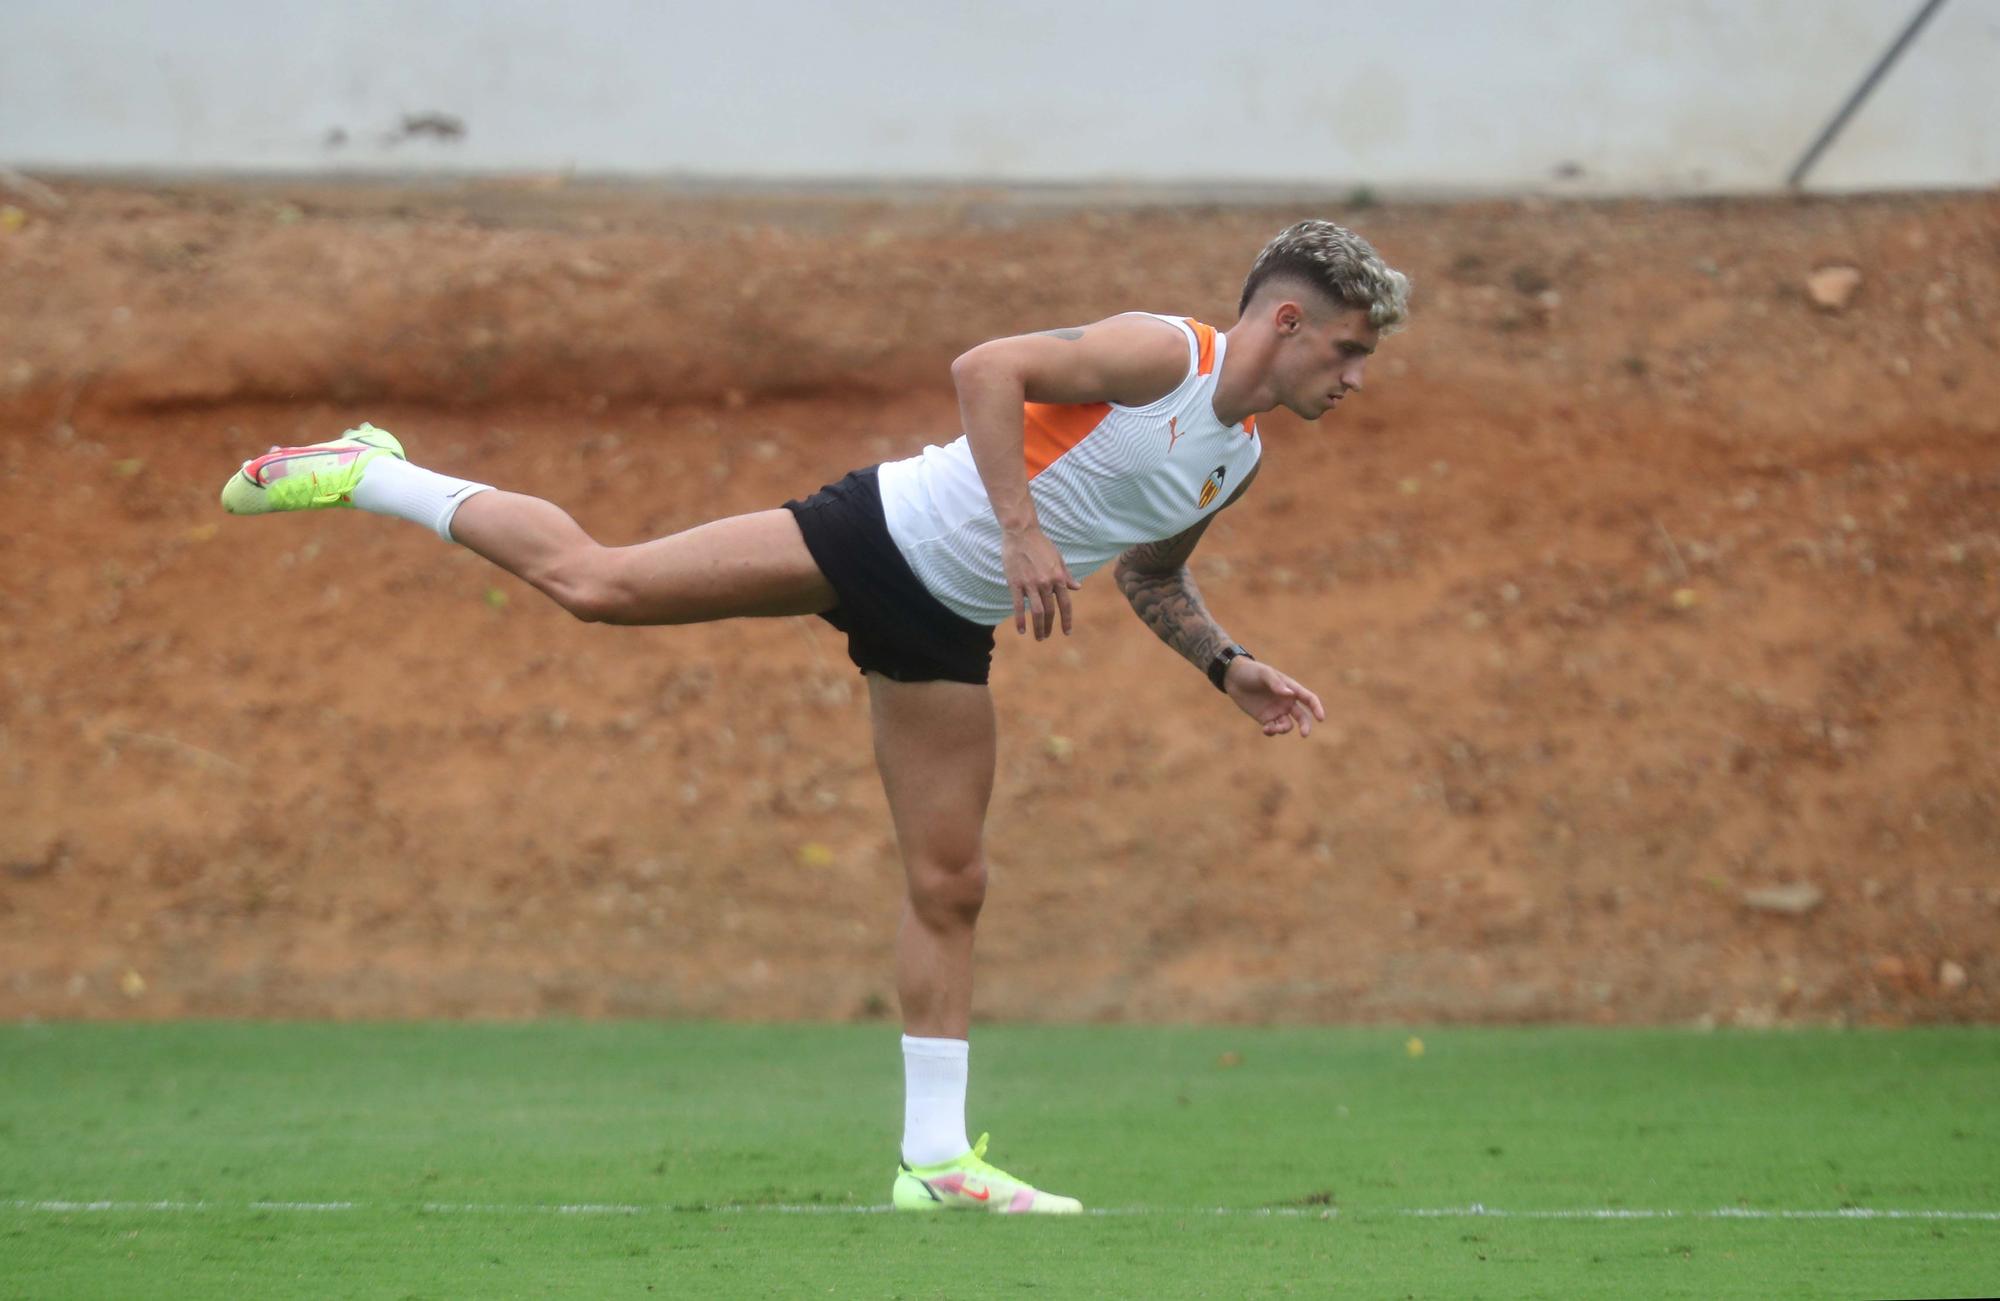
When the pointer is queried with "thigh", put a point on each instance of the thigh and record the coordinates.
(743, 566)
(934, 743)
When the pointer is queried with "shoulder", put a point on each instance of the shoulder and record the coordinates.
(1164, 347)
(1132, 359)
(1157, 354)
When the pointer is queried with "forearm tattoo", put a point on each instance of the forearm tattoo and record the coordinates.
(1171, 605)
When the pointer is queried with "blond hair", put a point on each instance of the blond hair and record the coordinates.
(1339, 263)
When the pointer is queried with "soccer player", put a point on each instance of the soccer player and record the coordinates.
(1119, 441)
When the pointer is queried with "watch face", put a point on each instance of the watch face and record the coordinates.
(1218, 668)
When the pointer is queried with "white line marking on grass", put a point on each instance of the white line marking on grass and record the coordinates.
(68, 1207)
(780, 1208)
(1720, 1213)
(1474, 1211)
(571, 1208)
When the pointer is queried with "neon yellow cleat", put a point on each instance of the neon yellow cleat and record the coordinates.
(969, 1184)
(314, 477)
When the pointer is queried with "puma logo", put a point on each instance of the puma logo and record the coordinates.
(1173, 433)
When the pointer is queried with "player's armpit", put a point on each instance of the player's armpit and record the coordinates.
(1130, 359)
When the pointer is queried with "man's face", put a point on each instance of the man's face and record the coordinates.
(1321, 355)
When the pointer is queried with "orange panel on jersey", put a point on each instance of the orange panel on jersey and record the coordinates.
(1204, 336)
(1049, 430)
(1250, 425)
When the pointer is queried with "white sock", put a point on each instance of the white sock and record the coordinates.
(392, 487)
(934, 1100)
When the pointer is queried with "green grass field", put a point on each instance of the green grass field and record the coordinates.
(704, 1160)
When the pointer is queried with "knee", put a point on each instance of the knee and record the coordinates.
(949, 889)
(580, 583)
(594, 605)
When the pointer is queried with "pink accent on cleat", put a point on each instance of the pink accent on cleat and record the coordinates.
(274, 463)
(1024, 1200)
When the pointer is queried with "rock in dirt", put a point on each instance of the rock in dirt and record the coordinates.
(1795, 900)
(1831, 288)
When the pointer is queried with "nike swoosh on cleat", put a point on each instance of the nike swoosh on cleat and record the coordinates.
(269, 459)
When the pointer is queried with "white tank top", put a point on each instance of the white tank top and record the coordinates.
(1104, 477)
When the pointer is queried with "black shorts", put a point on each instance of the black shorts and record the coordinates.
(894, 626)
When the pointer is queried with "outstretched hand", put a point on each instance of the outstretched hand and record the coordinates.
(1039, 581)
(1276, 701)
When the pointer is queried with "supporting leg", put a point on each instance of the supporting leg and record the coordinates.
(934, 744)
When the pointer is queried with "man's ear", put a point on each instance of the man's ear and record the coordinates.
(1289, 317)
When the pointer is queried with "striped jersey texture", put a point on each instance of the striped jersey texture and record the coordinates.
(1104, 477)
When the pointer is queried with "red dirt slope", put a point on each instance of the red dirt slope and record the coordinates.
(1636, 586)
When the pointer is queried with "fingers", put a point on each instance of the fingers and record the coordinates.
(1292, 710)
(1304, 714)
(1063, 587)
(1043, 605)
(1041, 601)
(1055, 606)
(1286, 704)
(1312, 702)
(1305, 706)
(1040, 583)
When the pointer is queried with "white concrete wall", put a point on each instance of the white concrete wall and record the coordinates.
(1640, 94)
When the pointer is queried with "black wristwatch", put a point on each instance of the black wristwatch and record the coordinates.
(1218, 668)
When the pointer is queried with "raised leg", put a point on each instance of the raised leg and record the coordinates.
(743, 566)
(934, 744)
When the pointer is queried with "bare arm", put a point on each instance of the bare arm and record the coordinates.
(1155, 578)
(1131, 360)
